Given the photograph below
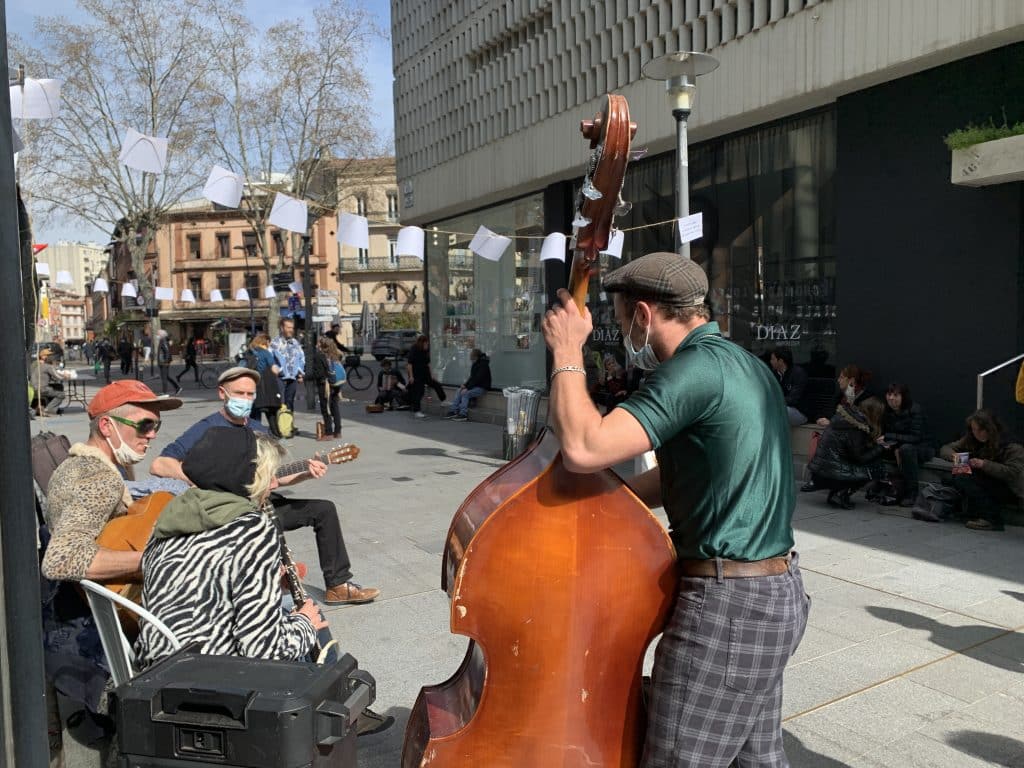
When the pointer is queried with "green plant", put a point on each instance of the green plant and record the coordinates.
(973, 134)
(395, 321)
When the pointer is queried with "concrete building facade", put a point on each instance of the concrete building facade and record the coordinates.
(816, 158)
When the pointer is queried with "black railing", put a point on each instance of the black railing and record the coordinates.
(380, 264)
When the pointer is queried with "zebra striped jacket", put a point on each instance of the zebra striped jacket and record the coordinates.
(221, 588)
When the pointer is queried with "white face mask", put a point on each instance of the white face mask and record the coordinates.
(124, 453)
(850, 393)
(644, 358)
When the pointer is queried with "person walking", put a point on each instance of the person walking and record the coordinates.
(325, 358)
(163, 361)
(124, 351)
(268, 391)
(292, 360)
(105, 355)
(190, 359)
(417, 363)
(707, 407)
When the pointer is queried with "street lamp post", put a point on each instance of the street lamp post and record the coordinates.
(680, 72)
(307, 327)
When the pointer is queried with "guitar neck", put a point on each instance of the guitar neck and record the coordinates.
(292, 468)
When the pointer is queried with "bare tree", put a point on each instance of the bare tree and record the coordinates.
(288, 106)
(132, 64)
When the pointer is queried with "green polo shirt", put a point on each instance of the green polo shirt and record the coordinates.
(717, 420)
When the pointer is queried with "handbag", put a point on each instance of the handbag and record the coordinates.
(937, 502)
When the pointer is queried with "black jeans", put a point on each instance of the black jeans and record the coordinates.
(190, 365)
(322, 516)
(166, 378)
(106, 369)
(330, 407)
(419, 386)
(288, 393)
(983, 496)
(910, 456)
(271, 412)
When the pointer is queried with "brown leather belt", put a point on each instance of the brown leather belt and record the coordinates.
(735, 569)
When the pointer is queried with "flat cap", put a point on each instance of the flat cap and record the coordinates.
(236, 373)
(663, 276)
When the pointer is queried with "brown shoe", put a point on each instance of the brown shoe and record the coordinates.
(350, 593)
(319, 430)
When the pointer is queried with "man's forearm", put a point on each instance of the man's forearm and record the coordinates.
(165, 466)
(110, 564)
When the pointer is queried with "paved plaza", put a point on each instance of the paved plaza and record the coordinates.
(912, 657)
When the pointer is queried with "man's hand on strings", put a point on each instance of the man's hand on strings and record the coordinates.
(565, 329)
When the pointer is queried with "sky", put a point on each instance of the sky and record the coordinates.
(21, 16)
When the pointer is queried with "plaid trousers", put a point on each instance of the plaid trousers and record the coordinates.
(716, 695)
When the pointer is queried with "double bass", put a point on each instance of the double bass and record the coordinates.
(560, 580)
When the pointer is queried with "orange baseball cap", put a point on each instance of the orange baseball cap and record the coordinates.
(129, 391)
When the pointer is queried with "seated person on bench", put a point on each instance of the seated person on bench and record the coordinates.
(391, 388)
(212, 568)
(996, 476)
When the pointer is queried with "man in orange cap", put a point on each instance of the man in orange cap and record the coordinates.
(88, 488)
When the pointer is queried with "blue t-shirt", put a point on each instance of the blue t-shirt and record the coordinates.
(179, 448)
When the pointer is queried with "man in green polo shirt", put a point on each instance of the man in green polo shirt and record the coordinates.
(715, 417)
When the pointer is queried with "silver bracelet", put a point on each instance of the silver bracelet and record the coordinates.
(564, 368)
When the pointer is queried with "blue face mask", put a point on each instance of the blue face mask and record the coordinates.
(239, 407)
(644, 358)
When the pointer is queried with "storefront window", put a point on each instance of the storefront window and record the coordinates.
(768, 203)
(494, 306)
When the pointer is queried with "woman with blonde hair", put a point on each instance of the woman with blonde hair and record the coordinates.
(212, 568)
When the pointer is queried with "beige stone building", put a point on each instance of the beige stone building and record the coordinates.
(389, 285)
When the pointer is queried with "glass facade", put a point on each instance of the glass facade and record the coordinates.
(493, 305)
(768, 204)
(767, 196)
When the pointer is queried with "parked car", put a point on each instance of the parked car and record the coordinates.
(393, 343)
(56, 350)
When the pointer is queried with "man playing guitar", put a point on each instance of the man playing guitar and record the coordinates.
(237, 390)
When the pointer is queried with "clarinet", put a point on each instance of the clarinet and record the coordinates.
(291, 573)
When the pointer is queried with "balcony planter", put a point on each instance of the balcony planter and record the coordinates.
(990, 162)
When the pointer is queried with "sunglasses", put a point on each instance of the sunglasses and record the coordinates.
(142, 428)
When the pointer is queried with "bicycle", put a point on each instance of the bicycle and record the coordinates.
(210, 372)
(357, 375)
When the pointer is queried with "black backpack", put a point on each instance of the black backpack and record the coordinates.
(48, 450)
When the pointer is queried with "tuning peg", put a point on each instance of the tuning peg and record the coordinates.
(590, 191)
(580, 220)
(636, 154)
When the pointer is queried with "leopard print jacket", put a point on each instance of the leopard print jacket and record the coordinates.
(85, 491)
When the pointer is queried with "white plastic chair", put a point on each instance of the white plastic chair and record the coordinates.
(120, 657)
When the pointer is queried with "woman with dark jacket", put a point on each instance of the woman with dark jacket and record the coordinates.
(849, 454)
(324, 358)
(997, 471)
(420, 375)
(906, 438)
(268, 391)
